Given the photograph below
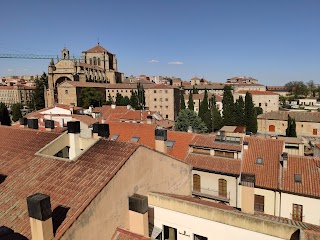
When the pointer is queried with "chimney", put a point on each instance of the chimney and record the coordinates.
(245, 145)
(113, 106)
(33, 123)
(103, 120)
(149, 119)
(23, 122)
(138, 215)
(284, 160)
(74, 139)
(49, 125)
(71, 108)
(190, 130)
(95, 130)
(128, 107)
(247, 192)
(90, 109)
(103, 130)
(161, 140)
(40, 213)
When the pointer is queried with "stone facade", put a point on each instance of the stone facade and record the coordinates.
(16, 94)
(96, 65)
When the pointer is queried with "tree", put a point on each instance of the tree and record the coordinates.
(119, 98)
(258, 110)
(134, 100)
(318, 93)
(188, 118)
(216, 118)
(141, 97)
(250, 114)
(312, 88)
(297, 88)
(291, 127)
(16, 111)
(110, 100)
(195, 90)
(38, 101)
(125, 101)
(228, 107)
(239, 112)
(4, 115)
(190, 102)
(204, 112)
(91, 97)
(182, 102)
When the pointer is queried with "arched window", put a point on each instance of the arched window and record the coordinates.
(272, 128)
(98, 61)
(196, 183)
(94, 61)
(90, 61)
(222, 188)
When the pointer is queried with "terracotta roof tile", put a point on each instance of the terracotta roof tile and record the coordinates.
(70, 184)
(267, 173)
(214, 164)
(96, 49)
(208, 141)
(257, 92)
(85, 119)
(299, 116)
(122, 234)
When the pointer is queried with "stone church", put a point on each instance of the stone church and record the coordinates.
(96, 65)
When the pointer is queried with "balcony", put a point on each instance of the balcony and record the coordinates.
(212, 194)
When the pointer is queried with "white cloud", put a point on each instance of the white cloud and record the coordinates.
(176, 63)
(153, 61)
(26, 69)
(10, 70)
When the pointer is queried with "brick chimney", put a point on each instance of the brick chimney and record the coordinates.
(284, 160)
(40, 213)
(74, 139)
(138, 215)
(161, 140)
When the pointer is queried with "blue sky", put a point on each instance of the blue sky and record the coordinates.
(275, 41)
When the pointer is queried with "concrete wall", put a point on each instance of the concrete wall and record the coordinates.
(310, 209)
(190, 218)
(145, 171)
(209, 184)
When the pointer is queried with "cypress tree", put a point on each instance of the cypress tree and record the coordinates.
(134, 100)
(182, 103)
(239, 112)
(16, 111)
(250, 114)
(216, 119)
(4, 115)
(228, 107)
(190, 102)
(204, 112)
(194, 90)
(119, 98)
(291, 129)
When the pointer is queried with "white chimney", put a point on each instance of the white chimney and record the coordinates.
(245, 145)
(128, 107)
(71, 108)
(161, 140)
(190, 129)
(74, 139)
(113, 106)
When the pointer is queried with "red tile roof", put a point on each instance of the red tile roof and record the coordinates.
(122, 234)
(253, 92)
(70, 184)
(267, 174)
(146, 133)
(208, 141)
(85, 119)
(96, 49)
(300, 116)
(214, 164)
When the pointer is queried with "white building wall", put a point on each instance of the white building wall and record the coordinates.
(269, 200)
(188, 225)
(209, 184)
(310, 209)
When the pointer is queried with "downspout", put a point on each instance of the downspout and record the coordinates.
(236, 192)
(280, 184)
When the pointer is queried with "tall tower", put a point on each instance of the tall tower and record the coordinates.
(65, 54)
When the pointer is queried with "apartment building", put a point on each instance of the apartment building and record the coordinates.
(16, 94)
(268, 101)
(212, 87)
(275, 123)
(164, 99)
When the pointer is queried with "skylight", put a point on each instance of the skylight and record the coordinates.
(259, 161)
(170, 143)
(115, 136)
(297, 178)
(135, 139)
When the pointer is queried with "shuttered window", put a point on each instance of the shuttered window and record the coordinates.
(222, 188)
(297, 212)
(258, 203)
(196, 183)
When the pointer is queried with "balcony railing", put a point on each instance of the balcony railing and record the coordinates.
(212, 194)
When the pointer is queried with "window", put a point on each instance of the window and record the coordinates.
(315, 131)
(272, 128)
(196, 183)
(170, 233)
(201, 151)
(99, 61)
(154, 99)
(115, 136)
(259, 161)
(198, 237)
(155, 91)
(167, 108)
(135, 139)
(167, 115)
(222, 188)
(258, 203)
(223, 154)
(166, 99)
(66, 91)
(297, 178)
(166, 91)
(259, 104)
(297, 212)
(170, 143)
